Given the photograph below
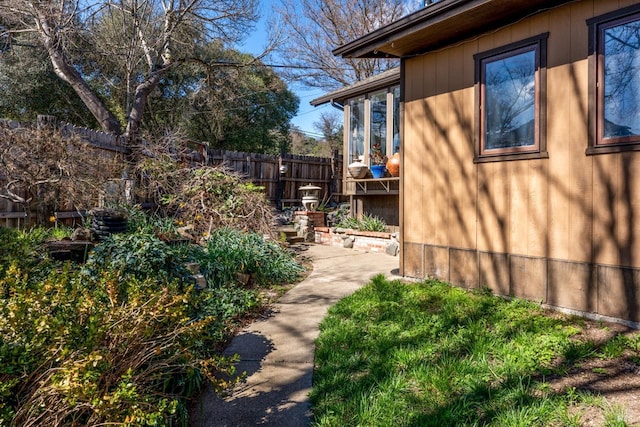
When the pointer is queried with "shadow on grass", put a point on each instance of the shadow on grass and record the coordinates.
(429, 354)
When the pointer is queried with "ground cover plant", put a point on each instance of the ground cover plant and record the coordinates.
(125, 339)
(429, 354)
(365, 223)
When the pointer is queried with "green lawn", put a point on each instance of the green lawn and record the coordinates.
(429, 354)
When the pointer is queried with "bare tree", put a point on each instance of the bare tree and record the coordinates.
(330, 125)
(149, 36)
(313, 28)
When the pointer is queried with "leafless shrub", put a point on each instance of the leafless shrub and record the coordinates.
(201, 198)
(43, 171)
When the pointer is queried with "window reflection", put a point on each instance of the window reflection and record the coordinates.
(378, 122)
(396, 120)
(509, 99)
(381, 123)
(356, 129)
(622, 80)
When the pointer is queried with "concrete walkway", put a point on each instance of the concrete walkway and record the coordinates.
(277, 353)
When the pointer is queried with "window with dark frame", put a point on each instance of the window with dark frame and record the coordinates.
(614, 52)
(510, 101)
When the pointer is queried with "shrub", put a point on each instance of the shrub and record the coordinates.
(138, 254)
(44, 167)
(78, 349)
(206, 198)
(231, 251)
(24, 248)
(124, 339)
(141, 221)
(366, 223)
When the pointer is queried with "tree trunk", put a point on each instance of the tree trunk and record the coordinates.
(140, 96)
(69, 74)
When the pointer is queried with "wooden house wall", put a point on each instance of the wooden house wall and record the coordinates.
(561, 230)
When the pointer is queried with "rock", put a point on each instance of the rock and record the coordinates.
(393, 248)
(83, 234)
(348, 242)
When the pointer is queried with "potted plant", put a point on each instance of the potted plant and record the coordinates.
(378, 160)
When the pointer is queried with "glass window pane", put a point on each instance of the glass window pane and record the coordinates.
(378, 148)
(356, 129)
(510, 91)
(622, 80)
(396, 120)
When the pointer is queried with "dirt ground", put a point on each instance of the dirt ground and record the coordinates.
(616, 380)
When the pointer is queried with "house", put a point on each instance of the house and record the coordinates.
(371, 119)
(520, 129)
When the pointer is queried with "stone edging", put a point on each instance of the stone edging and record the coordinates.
(368, 241)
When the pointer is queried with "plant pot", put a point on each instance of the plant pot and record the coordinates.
(357, 170)
(393, 165)
(377, 171)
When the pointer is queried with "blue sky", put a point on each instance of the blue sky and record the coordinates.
(307, 114)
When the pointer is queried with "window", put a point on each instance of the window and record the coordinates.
(356, 129)
(510, 102)
(396, 120)
(614, 51)
(378, 122)
(374, 122)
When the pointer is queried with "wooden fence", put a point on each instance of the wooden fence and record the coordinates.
(283, 175)
(280, 175)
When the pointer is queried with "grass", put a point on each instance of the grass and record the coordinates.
(429, 354)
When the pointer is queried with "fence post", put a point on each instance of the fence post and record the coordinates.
(46, 121)
(282, 170)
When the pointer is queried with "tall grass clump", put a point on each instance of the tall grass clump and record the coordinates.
(231, 252)
(429, 354)
(366, 223)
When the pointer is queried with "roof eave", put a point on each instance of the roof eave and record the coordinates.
(441, 24)
(387, 79)
(370, 44)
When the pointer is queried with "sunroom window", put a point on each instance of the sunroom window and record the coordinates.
(374, 124)
(378, 122)
(356, 129)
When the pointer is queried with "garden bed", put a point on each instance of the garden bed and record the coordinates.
(368, 241)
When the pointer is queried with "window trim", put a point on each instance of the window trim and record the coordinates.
(539, 150)
(597, 144)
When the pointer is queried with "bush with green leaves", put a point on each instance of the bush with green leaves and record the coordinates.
(230, 252)
(25, 248)
(79, 349)
(140, 254)
(141, 221)
(124, 339)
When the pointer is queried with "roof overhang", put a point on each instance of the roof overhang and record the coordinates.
(385, 79)
(441, 24)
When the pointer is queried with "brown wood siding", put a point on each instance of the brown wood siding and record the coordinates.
(416, 217)
(570, 207)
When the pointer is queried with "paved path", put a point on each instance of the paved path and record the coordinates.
(277, 352)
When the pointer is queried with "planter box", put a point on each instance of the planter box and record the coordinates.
(367, 241)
